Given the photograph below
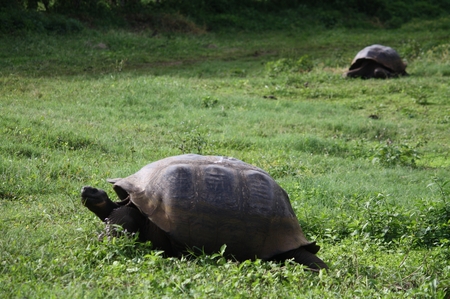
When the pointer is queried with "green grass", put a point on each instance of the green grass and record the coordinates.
(373, 193)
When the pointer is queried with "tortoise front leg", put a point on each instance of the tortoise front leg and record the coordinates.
(133, 221)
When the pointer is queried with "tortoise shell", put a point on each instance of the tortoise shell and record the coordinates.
(376, 56)
(208, 201)
(383, 55)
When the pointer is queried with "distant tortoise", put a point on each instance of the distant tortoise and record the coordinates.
(377, 61)
(202, 202)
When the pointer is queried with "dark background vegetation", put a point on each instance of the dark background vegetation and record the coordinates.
(63, 16)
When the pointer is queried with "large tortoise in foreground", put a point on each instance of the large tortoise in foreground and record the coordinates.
(377, 61)
(192, 201)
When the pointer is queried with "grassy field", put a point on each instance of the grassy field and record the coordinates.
(365, 162)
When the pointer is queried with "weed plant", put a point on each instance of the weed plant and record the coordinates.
(365, 162)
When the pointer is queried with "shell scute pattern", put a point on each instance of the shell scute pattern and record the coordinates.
(260, 194)
(220, 187)
(178, 181)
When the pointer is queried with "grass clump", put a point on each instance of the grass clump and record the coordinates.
(286, 65)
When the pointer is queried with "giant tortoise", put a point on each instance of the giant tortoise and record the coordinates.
(191, 201)
(377, 61)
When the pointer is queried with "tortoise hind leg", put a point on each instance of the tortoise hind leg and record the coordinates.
(302, 256)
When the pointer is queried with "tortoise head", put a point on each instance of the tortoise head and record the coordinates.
(97, 201)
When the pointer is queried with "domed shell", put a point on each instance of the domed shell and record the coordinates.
(208, 201)
(385, 56)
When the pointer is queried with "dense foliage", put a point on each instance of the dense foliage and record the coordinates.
(19, 15)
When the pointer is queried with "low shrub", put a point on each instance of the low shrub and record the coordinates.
(19, 22)
(390, 154)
